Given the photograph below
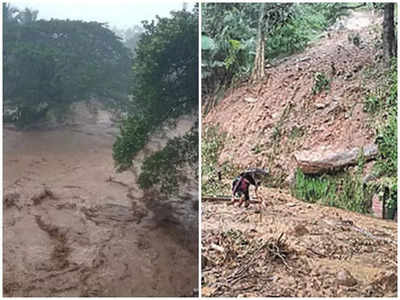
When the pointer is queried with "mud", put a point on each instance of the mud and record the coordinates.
(74, 227)
(326, 252)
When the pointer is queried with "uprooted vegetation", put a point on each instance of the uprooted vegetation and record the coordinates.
(295, 249)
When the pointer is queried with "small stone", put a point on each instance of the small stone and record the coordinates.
(300, 230)
(320, 105)
(345, 278)
(250, 99)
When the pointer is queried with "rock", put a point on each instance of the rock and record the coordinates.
(345, 278)
(320, 105)
(321, 160)
(300, 230)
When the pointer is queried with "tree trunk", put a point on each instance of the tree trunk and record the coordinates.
(259, 70)
(389, 40)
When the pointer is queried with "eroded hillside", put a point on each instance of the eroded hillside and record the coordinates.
(267, 122)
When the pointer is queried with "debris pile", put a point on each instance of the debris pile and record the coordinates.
(295, 249)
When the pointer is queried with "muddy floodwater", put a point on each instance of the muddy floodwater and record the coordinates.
(74, 227)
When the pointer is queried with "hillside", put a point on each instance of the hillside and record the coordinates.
(287, 247)
(269, 121)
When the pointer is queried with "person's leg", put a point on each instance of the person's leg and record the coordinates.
(242, 198)
(247, 198)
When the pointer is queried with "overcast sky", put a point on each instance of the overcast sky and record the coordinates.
(119, 13)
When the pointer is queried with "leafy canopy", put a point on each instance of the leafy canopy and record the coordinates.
(165, 84)
(50, 64)
(229, 34)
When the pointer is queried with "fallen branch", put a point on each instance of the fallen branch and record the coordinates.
(222, 199)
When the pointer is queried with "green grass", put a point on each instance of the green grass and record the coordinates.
(342, 190)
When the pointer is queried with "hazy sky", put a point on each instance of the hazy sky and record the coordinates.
(119, 13)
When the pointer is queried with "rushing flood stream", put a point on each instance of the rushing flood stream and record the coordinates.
(73, 227)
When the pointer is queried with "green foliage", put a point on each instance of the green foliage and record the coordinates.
(296, 132)
(228, 43)
(371, 103)
(312, 189)
(162, 168)
(288, 29)
(343, 190)
(134, 134)
(386, 165)
(321, 82)
(165, 84)
(212, 143)
(51, 64)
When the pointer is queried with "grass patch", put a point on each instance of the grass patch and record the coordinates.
(343, 190)
(321, 82)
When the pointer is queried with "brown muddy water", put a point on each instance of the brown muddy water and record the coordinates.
(74, 227)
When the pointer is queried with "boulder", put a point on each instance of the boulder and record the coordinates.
(322, 160)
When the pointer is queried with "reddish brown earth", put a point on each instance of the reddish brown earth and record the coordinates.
(323, 251)
(73, 227)
(284, 102)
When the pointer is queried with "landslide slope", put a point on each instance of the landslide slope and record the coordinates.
(267, 122)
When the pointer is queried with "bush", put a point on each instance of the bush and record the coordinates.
(134, 134)
(163, 166)
(386, 165)
(321, 82)
(212, 143)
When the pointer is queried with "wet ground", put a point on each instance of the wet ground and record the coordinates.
(294, 249)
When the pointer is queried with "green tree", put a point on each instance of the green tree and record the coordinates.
(238, 37)
(50, 64)
(165, 81)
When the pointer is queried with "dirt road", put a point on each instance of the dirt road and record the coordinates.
(323, 251)
(73, 227)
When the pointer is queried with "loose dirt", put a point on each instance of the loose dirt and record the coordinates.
(73, 227)
(323, 251)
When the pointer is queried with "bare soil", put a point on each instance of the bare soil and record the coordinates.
(73, 227)
(267, 122)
